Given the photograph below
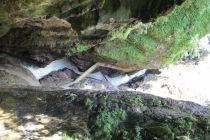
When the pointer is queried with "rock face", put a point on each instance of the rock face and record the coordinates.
(151, 45)
(12, 73)
(101, 115)
(39, 40)
(58, 78)
(128, 34)
(10, 79)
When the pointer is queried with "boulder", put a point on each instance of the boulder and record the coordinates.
(39, 40)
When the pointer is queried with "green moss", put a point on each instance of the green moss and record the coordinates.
(114, 118)
(3, 14)
(135, 101)
(189, 127)
(11, 11)
(137, 135)
(74, 137)
(89, 103)
(195, 128)
(156, 102)
(78, 48)
(123, 32)
(106, 121)
(185, 24)
(129, 134)
(183, 138)
(163, 40)
(160, 130)
(122, 51)
(185, 125)
(72, 97)
(121, 47)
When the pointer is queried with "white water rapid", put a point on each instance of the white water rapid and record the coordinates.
(65, 63)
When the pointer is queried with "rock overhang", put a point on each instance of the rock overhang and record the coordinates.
(137, 34)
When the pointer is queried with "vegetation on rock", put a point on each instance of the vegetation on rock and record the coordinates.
(133, 40)
(161, 41)
(115, 115)
(123, 33)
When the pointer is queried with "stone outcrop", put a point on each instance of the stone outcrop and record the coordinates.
(39, 40)
(135, 45)
(128, 34)
(102, 115)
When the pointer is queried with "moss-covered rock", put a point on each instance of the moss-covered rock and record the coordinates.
(128, 34)
(155, 44)
(12, 11)
(111, 116)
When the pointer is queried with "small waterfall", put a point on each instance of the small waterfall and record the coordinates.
(65, 63)
(123, 79)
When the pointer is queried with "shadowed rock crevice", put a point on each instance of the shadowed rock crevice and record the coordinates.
(114, 13)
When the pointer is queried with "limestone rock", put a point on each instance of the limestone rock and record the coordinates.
(107, 115)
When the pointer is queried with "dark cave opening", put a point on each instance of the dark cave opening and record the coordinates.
(144, 10)
(120, 10)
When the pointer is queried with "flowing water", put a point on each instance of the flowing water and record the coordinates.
(188, 81)
(65, 63)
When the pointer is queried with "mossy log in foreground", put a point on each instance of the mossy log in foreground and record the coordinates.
(115, 115)
(130, 34)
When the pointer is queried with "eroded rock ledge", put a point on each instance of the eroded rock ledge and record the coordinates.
(39, 40)
(107, 115)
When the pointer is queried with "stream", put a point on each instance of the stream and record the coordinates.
(181, 81)
(65, 63)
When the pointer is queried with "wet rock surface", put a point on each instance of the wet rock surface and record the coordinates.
(47, 112)
(9, 79)
(95, 85)
(138, 81)
(13, 73)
